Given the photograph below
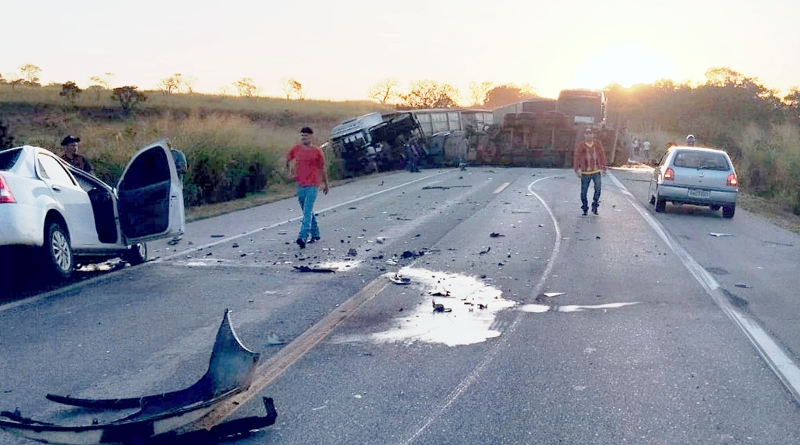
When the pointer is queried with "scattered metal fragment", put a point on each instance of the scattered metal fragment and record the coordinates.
(440, 293)
(235, 245)
(484, 252)
(495, 235)
(440, 307)
(230, 370)
(743, 286)
(398, 279)
(314, 269)
(174, 241)
(380, 239)
(217, 235)
(274, 339)
(719, 234)
(483, 306)
(352, 252)
(553, 294)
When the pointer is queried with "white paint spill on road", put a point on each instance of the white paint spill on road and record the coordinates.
(474, 306)
(542, 308)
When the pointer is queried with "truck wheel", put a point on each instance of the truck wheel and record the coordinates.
(57, 252)
(136, 254)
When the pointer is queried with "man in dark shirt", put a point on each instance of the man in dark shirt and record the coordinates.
(71, 155)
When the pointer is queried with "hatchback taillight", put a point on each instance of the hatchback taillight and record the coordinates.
(669, 174)
(5, 192)
(732, 181)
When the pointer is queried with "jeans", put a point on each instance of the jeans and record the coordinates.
(585, 188)
(308, 225)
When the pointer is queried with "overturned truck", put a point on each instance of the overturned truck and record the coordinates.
(374, 142)
(543, 132)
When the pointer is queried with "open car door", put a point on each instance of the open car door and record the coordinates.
(150, 196)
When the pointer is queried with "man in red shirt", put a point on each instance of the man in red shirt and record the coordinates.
(310, 170)
(589, 161)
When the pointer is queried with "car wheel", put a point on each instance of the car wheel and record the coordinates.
(714, 207)
(136, 254)
(58, 252)
(661, 204)
(728, 211)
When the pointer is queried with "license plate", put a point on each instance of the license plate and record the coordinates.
(695, 193)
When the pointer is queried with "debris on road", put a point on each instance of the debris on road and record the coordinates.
(352, 252)
(274, 339)
(314, 269)
(719, 234)
(398, 279)
(231, 368)
(495, 235)
(484, 252)
(553, 294)
(743, 286)
(440, 307)
(217, 235)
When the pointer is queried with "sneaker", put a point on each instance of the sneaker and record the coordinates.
(301, 243)
(313, 239)
(585, 212)
(594, 210)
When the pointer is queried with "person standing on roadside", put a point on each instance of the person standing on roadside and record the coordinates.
(646, 151)
(71, 155)
(310, 170)
(589, 161)
(690, 140)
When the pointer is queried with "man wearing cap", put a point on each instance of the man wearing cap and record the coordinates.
(309, 171)
(70, 144)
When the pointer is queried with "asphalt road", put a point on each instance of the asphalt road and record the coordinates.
(627, 327)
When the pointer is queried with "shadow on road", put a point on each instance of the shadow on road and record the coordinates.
(22, 276)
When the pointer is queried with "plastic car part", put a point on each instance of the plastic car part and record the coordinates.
(230, 371)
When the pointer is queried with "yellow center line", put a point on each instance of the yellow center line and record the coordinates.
(502, 187)
(273, 368)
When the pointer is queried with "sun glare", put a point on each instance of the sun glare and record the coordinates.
(626, 66)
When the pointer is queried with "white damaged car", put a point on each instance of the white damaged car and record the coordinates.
(71, 217)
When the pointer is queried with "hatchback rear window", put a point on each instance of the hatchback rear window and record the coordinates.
(9, 157)
(702, 160)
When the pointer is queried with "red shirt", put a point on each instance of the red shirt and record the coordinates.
(309, 164)
(588, 160)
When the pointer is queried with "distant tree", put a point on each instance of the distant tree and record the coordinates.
(507, 94)
(6, 140)
(291, 87)
(224, 91)
(246, 87)
(15, 81)
(384, 90)
(171, 84)
(30, 74)
(429, 94)
(478, 91)
(189, 83)
(70, 91)
(104, 81)
(128, 97)
(792, 101)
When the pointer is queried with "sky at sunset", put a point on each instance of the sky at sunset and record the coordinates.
(338, 49)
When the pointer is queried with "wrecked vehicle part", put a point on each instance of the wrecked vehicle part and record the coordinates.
(314, 269)
(230, 371)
